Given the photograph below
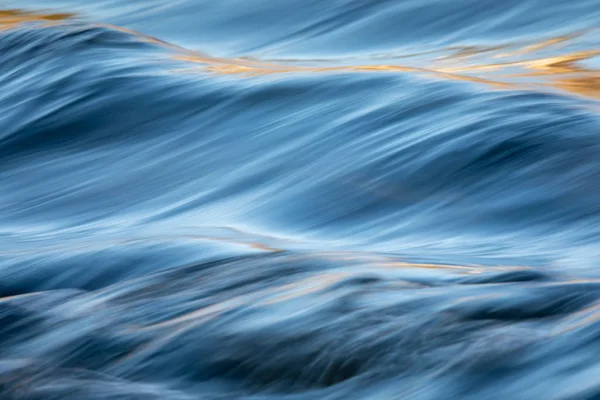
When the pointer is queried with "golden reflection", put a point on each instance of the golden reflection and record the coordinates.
(12, 18)
(253, 68)
(556, 63)
(585, 86)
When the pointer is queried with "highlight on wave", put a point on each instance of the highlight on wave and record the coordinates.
(517, 67)
(548, 64)
(13, 18)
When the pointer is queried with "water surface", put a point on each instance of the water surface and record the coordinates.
(299, 199)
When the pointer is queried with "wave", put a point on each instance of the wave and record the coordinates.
(336, 155)
(305, 324)
(362, 221)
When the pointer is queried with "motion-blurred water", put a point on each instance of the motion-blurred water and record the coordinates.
(300, 199)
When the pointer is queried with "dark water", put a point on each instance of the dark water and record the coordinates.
(286, 199)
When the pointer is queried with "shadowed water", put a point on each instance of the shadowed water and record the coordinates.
(299, 200)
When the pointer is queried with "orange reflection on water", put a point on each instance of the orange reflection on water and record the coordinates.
(256, 68)
(584, 86)
(554, 63)
(12, 18)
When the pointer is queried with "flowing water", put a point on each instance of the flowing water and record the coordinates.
(300, 199)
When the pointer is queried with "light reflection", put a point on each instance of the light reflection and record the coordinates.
(555, 63)
(551, 64)
(12, 18)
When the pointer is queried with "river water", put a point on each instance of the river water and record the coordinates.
(300, 199)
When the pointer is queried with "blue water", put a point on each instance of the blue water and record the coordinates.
(286, 199)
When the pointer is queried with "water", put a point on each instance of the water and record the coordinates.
(274, 199)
